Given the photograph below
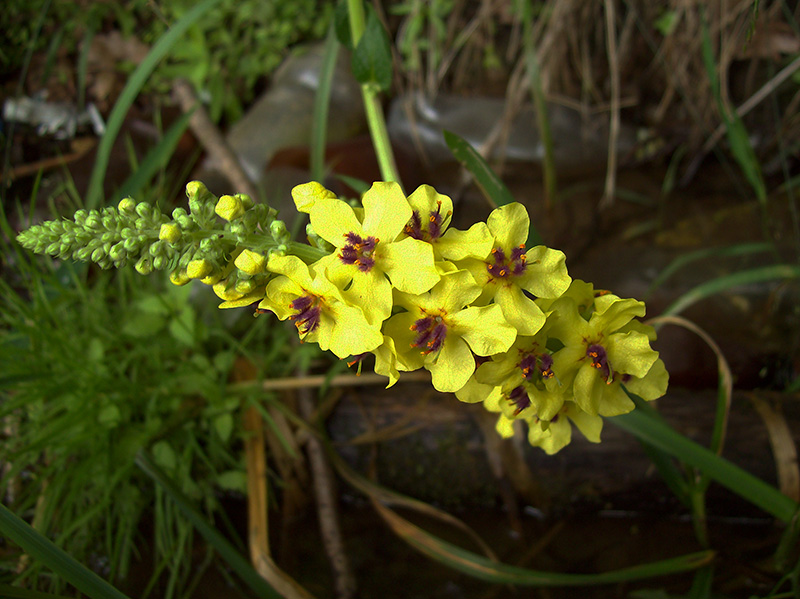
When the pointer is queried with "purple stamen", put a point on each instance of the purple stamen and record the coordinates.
(519, 397)
(308, 314)
(431, 333)
(600, 361)
(359, 251)
(504, 267)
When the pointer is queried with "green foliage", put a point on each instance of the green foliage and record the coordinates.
(235, 44)
(93, 372)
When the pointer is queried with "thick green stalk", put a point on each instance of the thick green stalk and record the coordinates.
(372, 105)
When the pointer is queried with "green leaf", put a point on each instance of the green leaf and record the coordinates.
(143, 325)
(233, 480)
(372, 58)
(164, 456)
(647, 426)
(223, 424)
(341, 25)
(182, 326)
(41, 549)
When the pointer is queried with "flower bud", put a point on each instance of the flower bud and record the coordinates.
(160, 262)
(277, 229)
(170, 232)
(251, 262)
(196, 190)
(179, 277)
(198, 269)
(98, 254)
(80, 216)
(212, 279)
(144, 266)
(117, 252)
(245, 287)
(126, 206)
(230, 207)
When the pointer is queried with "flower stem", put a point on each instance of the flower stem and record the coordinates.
(372, 105)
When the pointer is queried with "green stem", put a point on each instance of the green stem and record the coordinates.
(372, 104)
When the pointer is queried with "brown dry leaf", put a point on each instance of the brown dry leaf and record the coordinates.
(783, 447)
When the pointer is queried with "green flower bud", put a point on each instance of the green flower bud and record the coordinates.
(230, 207)
(117, 252)
(160, 262)
(126, 206)
(144, 266)
(92, 221)
(251, 262)
(170, 232)
(179, 213)
(239, 229)
(98, 254)
(247, 201)
(80, 216)
(196, 190)
(198, 269)
(144, 210)
(277, 251)
(280, 234)
(82, 254)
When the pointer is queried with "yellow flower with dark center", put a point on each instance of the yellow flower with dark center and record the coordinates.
(438, 331)
(317, 308)
(371, 257)
(508, 271)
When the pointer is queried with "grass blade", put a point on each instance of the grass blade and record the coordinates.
(235, 560)
(483, 568)
(9, 592)
(488, 567)
(156, 158)
(41, 549)
(489, 183)
(678, 263)
(747, 277)
(647, 426)
(94, 195)
(319, 123)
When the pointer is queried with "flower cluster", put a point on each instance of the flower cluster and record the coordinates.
(493, 321)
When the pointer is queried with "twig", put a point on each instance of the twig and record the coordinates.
(344, 581)
(613, 129)
(341, 380)
(212, 140)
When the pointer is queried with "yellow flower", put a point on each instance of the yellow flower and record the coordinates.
(508, 271)
(308, 194)
(199, 269)
(368, 252)
(430, 219)
(438, 332)
(317, 308)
